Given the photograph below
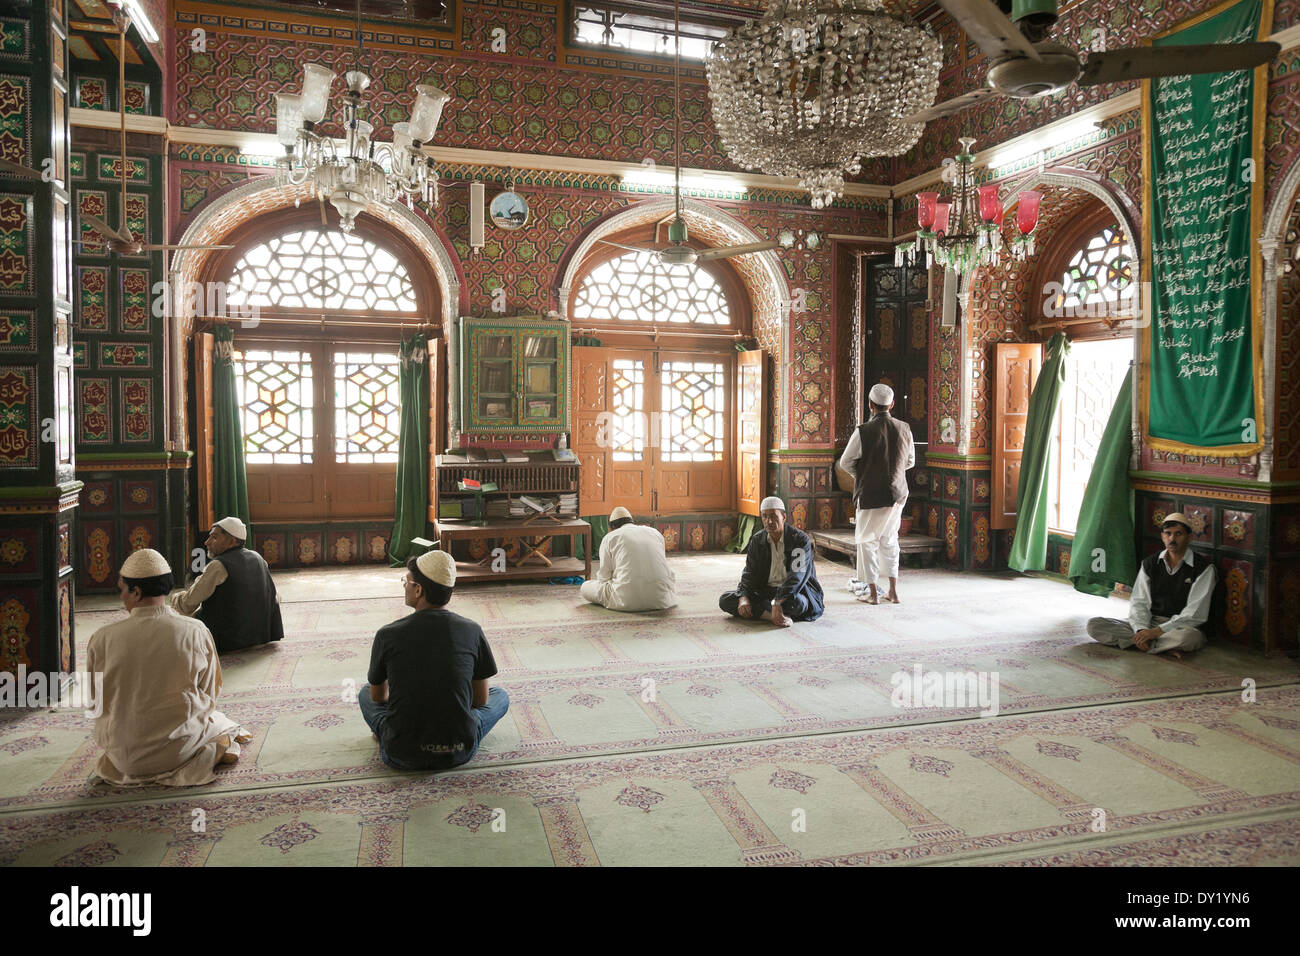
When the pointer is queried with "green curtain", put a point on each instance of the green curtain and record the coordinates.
(599, 528)
(229, 478)
(1103, 551)
(411, 507)
(745, 529)
(1029, 547)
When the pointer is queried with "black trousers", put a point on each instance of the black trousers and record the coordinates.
(794, 607)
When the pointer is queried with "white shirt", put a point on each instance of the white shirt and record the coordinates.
(160, 722)
(853, 451)
(189, 600)
(776, 575)
(1197, 611)
(634, 563)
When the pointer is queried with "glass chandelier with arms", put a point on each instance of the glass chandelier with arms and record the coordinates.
(359, 172)
(965, 232)
(818, 85)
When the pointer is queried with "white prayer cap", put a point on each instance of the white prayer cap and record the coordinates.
(772, 503)
(145, 563)
(233, 527)
(881, 394)
(439, 567)
(1179, 517)
(619, 512)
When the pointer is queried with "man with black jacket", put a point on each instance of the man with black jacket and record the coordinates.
(1171, 598)
(234, 596)
(779, 583)
(878, 455)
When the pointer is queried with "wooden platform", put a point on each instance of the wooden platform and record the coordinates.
(531, 535)
(840, 540)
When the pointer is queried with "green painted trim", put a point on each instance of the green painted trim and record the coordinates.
(135, 456)
(41, 491)
(943, 456)
(791, 452)
(1214, 482)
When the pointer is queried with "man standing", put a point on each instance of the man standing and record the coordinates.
(1171, 598)
(234, 596)
(879, 453)
(634, 573)
(159, 723)
(779, 583)
(428, 701)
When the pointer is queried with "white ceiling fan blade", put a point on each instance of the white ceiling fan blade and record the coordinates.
(1152, 62)
(990, 28)
(726, 252)
(19, 170)
(954, 105)
(169, 248)
(628, 248)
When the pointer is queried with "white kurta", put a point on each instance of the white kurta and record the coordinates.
(633, 573)
(160, 723)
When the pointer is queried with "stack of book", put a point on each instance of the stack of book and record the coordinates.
(526, 505)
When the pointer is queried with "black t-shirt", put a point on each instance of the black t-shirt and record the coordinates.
(429, 659)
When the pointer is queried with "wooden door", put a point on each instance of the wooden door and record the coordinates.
(692, 459)
(612, 429)
(750, 403)
(1015, 370)
(895, 349)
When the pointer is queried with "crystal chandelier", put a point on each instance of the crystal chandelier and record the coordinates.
(359, 172)
(818, 85)
(965, 232)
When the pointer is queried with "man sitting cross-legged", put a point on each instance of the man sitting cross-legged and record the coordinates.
(1171, 599)
(428, 702)
(161, 676)
(779, 583)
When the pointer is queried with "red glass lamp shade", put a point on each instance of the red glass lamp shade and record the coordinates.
(990, 204)
(941, 211)
(1027, 211)
(925, 203)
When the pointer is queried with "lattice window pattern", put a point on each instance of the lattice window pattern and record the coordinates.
(367, 407)
(627, 434)
(317, 269)
(275, 391)
(636, 288)
(1100, 273)
(693, 402)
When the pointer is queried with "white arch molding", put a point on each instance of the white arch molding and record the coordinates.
(1271, 244)
(258, 197)
(698, 214)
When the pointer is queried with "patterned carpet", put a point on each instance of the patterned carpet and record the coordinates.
(685, 737)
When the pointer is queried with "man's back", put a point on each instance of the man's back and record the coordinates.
(430, 659)
(243, 611)
(641, 578)
(881, 479)
(161, 680)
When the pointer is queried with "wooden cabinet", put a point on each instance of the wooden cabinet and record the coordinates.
(516, 375)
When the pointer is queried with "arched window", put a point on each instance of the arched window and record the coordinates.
(1098, 276)
(637, 288)
(317, 269)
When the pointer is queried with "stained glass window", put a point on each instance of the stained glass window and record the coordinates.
(1099, 276)
(366, 406)
(317, 269)
(275, 390)
(692, 410)
(636, 288)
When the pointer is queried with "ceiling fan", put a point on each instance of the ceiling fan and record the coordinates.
(677, 252)
(118, 240)
(1025, 64)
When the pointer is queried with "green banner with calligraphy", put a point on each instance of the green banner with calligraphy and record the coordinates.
(1203, 183)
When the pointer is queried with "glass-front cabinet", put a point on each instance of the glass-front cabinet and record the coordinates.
(516, 374)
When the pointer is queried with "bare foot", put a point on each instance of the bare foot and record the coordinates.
(892, 597)
(228, 758)
(871, 597)
(243, 737)
(779, 618)
(1176, 655)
